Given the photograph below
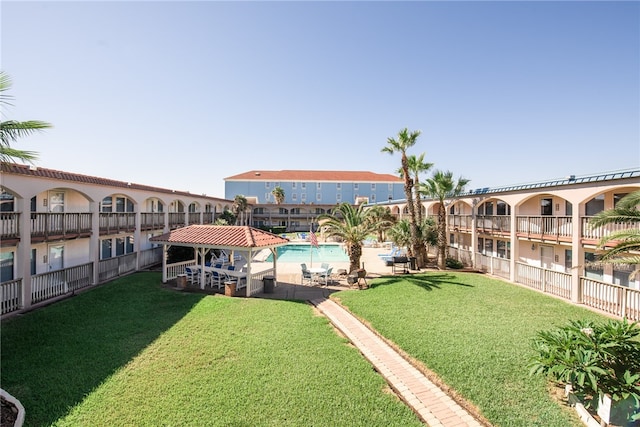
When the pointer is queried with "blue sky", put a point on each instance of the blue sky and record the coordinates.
(183, 94)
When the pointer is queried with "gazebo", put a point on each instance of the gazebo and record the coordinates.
(204, 238)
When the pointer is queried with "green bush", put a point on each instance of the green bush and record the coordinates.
(594, 358)
(453, 263)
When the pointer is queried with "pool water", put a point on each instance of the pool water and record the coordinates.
(303, 253)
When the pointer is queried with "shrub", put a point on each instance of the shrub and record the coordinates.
(453, 263)
(594, 358)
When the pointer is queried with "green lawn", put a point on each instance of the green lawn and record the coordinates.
(475, 333)
(131, 353)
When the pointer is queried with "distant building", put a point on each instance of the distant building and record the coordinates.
(307, 187)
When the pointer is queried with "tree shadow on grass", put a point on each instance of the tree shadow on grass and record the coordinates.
(53, 357)
(427, 281)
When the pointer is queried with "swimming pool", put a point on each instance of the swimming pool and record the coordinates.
(303, 253)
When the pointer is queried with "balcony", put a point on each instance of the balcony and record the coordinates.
(152, 220)
(545, 228)
(59, 225)
(117, 222)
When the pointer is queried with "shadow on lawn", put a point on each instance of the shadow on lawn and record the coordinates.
(427, 281)
(54, 356)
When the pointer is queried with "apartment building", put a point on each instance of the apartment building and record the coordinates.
(308, 193)
(61, 232)
(538, 235)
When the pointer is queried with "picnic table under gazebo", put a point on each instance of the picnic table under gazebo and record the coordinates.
(228, 238)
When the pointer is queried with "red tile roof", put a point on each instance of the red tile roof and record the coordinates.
(18, 169)
(221, 236)
(310, 175)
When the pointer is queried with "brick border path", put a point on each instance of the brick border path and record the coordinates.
(431, 404)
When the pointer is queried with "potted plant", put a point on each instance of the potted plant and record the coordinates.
(600, 362)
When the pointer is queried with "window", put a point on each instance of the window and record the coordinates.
(452, 239)
(488, 208)
(594, 205)
(373, 197)
(502, 208)
(390, 188)
(568, 260)
(193, 208)
(355, 187)
(267, 185)
(258, 211)
(373, 186)
(546, 207)
(303, 185)
(294, 197)
(267, 196)
(119, 246)
(6, 202)
(568, 208)
(303, 197)
(106, 205)
(105, 249)
(592, 271)
(6, 266)
(293, 185)
(339, 198)
(501, 249)
(480, 245)
(283, 211)
(32, 261)
(295, 211)
(318, 186)
(56, 201)
(318, 197)
(617, 197)
(339, 186)
(488, 247)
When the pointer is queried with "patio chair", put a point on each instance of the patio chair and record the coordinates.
(326, 276)
(193, 274)
(217, 277)
(324, 265)
(306, 274)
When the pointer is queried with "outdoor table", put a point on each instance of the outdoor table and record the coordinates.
(316, 272)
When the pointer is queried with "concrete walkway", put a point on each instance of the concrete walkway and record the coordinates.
(433, 406)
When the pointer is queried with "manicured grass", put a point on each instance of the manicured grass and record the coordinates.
(475, 333)
(133, 353)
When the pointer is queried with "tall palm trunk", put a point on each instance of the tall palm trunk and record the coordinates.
(442, 236)
(355, 253)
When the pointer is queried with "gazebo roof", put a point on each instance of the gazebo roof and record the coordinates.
(221, 237)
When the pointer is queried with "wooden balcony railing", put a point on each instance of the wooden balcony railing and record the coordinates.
(60, 225)
(176, 219)
(489, 224)
(9, 225)
(460, 222)
(152, 220)
(117, 222)
(606, 230)
(545, 227)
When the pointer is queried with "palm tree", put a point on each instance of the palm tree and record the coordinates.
(400, 145)
(352, 225)
(442, 186)
(278, 193)
(239, 206)
(400, 235)
(11, 130)
(417, 166)
(383, 220)
(627, 247)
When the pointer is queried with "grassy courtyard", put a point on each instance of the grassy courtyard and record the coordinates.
(475, 333)
(133, 353)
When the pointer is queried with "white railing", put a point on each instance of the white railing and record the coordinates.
(500, 267)
(545, 280)
(117, 266)
(173, 270)
(150, 257)
(11, 297)
(614, 299)
(255, 283)
(55, 283)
